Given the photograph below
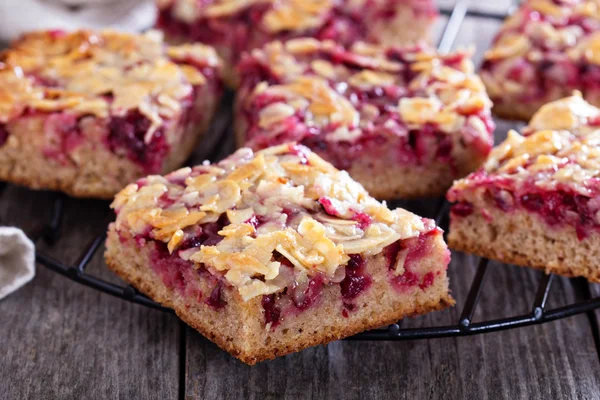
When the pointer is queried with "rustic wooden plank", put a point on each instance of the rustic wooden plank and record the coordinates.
(63, 340)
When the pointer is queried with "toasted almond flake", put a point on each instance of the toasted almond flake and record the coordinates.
(548, 8)
(419, 110)
(323, 68)
(175, 240)
(274, 113)
(293, 15)
(367, 78)
(508, 46)
(302, 45)
(323, 101)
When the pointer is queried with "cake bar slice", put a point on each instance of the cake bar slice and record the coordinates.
(536, 201)
(543, 52)
(234, 26)
(269, 253)
(403, 121)
(89, 112)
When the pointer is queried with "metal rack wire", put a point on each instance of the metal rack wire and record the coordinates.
(50, 233)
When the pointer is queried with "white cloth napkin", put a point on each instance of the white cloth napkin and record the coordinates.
(19, 16)
(17, 260)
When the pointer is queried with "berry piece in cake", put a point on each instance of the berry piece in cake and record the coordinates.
(404, 122)
(536, 201)
(246, 252)
(233, 26)
(543, 52)
(89, 112)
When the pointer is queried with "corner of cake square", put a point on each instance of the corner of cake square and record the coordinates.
(270, 252)
(88, 112)
(403, 121)
(536, 201)
(234, 27)
(543, 52)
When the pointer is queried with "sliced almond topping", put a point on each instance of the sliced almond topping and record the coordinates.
(284, 201)
(560, 146)
(509, 46)
(323, 100)
(419, 110)
(294, 15)
(175, 240)
(138, 72)
(274, 113)
(367, 78)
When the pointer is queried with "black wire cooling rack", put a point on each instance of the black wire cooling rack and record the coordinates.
(50, 233)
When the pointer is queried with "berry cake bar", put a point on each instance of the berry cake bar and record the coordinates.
(271, 252)
(235, 26)
(404, 122)
(87, 113)
(536, 201)
(543, 52)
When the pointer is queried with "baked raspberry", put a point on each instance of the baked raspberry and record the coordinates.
(543, 52)
(234, 27)
(285, 273)
(88, 112)
(404, 122)
(536, 201)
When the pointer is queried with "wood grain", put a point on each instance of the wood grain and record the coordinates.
(63, 340)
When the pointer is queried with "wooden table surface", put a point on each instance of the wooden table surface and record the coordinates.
(59, 339)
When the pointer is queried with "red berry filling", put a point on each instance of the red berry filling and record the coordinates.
(306, 295)
(411, 251)
(272, 312)
(462, 209)
(62, 136)
(178, 274)
(127, 134)
(295, 298)
(216, 299)
(356, 280)
(427, 280)
(559, 207)
(299, 297)
(3, 134)
(328, 206)
(348, 308)
(364, 220)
